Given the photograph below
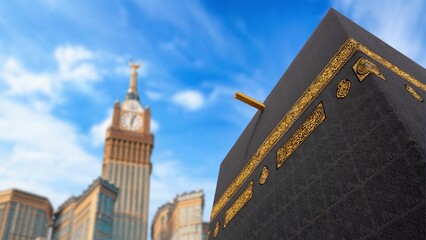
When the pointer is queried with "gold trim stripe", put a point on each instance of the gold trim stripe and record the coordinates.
(241, 201)
(301, 134)
(413, 93)
(334, 65)
(391, 67)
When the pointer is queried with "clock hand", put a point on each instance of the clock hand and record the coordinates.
(132, 120)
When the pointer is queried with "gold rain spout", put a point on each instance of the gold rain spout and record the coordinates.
(250, 101)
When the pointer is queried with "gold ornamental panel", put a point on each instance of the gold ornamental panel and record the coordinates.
(216, 229)
(301, 134)
(263, 175)
(364, 67)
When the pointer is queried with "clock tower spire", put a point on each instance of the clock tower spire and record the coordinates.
(132, 93)
(127, 163)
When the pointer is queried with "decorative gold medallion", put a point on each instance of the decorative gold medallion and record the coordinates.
(363, 67)
(343, 88)
(216, 229)
(301, 134)
(241, 201)
(263, 175)
(336, 63)
(414, 93)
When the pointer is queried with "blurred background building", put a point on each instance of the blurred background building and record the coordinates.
(24, 215)
(127, 163)
(89, 216)
(115, 206)
(181, 219)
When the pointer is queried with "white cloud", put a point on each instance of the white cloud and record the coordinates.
(76, 68)
(68, 56)
(221, 91)
(174, 44)
(42, 154)
(153, 95)
(81, 72)
(189, 99)
(21, 81)
(191, 18)
(154, 125)
(97, 131)
(122, 70)
(75, 64)
(398, 22)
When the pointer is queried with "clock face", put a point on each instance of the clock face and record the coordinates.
(132, 105)
(131, 121)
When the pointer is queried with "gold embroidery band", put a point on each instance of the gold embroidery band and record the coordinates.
(301, 134)
(241, 201)
(345, 52)
(413, 93)
(407, 77)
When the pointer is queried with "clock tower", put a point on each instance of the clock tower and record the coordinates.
(127, 163)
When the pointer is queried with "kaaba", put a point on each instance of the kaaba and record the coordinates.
(338, 152)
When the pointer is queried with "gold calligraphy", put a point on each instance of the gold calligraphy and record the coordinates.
(343, 88)
(263, 175)
(241, 201)
(301, 134)
(363, 68)
(414, 93)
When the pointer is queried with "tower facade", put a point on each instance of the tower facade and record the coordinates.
(127, 164)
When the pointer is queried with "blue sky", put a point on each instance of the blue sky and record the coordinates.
(64, 63)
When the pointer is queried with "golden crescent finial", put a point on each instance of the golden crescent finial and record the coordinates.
(135, 66)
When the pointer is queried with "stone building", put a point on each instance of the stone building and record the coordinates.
(24, 215)
(88, 216)
(181, 219)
